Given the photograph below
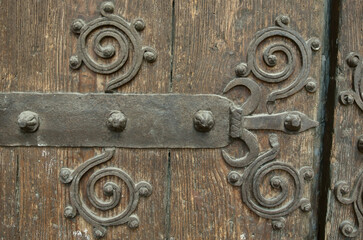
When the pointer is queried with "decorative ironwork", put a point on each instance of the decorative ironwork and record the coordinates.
(277, 207)
(342, 189)
(354, 61)
(110, 189)
(112, 26)
(270, 59)
(258, 165)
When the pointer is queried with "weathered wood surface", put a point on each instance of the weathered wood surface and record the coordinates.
(211, 39)
(346, 161)
(199, 44)
(36, 44)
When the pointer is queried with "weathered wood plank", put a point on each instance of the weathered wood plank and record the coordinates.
(35, 57)
(345, 161)
(211, 39)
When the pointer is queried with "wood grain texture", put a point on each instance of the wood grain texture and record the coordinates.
(211, 39)
(346, 161)
(36, 44)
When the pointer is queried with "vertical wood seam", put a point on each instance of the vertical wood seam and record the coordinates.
(326, 111)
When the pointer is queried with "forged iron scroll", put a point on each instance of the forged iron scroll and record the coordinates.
(259, 165)
(354, 61)
(342, 189)
(110, 189)
(276, 207)
(270, 59)
(112, 26)
(356, 198)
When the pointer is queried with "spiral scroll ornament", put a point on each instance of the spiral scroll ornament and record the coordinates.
(128, 42)
(110, 189)
(270, 74)
(346, 196)
(354, 60)
(276, 207)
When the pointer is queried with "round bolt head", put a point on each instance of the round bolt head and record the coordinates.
(353, 60)
(311, 86)
(345, 189)
(306, 207)
(108, 7)
(292, 122)
(108, 190)
(360, 144)
(69, 212)
(74, 62)
(272, 60)
(139, 25)
(285, 19)
(65, 173)
(144, 192)
(133, 224)
(315, 44)
(233, 177)
(308, 175)
(28, 121)
(98, 233)
(278, 225)
(275, 182)
(241, 70)
(203, 121)
(116, 121)
(77, 25)
(150, 56)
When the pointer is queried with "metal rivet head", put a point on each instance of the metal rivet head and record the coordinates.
(233, 177)
(345, 189)
(272, 60)
(278, 224)
(28, 121)
(353, 60)
(108, 189)
(311, 86)
(360, 144)
(139, 25)
(116, 121)
(108, 7)
(315, 44)
(77, 25)
(347, 99)
(292, 122)
(65, 174)
(150, 56)
(144, 192)
(133, 223)
(308, 175)
(203, 121)
(275, 182)
(241, 70)
(74, 62)
(306, 207)
(348, 229)
(98, 233)
(69, 212)
(284, 19)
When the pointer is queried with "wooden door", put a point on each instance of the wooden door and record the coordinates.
(273, 71)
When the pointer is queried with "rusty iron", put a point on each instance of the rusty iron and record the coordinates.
(258, 165)
(113, 26)
(355, 197)
(110, 189)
